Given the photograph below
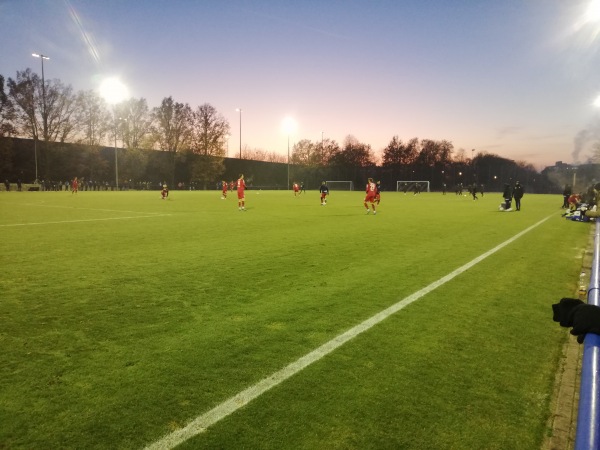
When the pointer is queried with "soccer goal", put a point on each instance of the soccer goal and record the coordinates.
(340, 185)
(410, 186)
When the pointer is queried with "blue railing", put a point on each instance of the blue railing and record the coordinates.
(588, 418)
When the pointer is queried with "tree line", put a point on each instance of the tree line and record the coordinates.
(50, 111)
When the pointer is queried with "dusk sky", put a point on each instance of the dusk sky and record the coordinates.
(517, 78)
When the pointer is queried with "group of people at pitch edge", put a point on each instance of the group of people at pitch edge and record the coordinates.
(511, 193)
(582, 206)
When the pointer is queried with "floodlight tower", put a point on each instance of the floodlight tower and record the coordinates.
(114, 92)
(289, 126)
(44, 116)
(240, 111)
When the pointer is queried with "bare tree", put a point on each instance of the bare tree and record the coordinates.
(48, 108)
(263, 155)
(172, 129)
(303, 153)
(210, 130)
(92, 118)
(354, 154)
(7, 112)
(22, 95)
(209, 138)
(135, 124)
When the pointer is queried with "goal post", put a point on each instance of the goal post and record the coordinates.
(340, 185)
(411, 186)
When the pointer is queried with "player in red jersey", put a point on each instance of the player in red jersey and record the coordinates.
(371, 191)
(165, 192)
(74, 186)
(241, 186)
(231, 185)
(296, 189)
(224, 193)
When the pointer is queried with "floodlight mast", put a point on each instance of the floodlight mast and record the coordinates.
(114, 92)
(44, 116)
(240, 111)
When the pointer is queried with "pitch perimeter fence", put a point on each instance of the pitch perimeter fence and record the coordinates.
(588, 417)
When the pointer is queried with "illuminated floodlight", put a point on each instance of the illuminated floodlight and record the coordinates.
(113, 90)
(592, 14)
(289, 125)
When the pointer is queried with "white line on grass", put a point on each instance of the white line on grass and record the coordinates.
(88, 209)
(81, 220)
(201, 423)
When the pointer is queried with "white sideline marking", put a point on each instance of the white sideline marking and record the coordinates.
(81, 220)
(201, 423)
(88, 209)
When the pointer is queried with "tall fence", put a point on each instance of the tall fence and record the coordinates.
(588, 418)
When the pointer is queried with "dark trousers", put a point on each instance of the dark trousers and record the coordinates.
(518, 203)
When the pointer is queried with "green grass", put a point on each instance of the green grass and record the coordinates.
(116, 332)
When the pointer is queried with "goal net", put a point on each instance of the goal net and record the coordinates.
(340, 185)
(411, 186)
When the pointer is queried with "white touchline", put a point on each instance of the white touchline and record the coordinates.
(81, 220)
(201, 423)
(89, 209)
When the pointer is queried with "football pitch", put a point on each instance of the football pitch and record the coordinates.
(127, 321)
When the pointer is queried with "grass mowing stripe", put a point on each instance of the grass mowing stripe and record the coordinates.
(82, 220)
(201, 423)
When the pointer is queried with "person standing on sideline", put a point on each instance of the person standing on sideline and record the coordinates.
(566, 194)
(324, 190)
(371, 191)
(241, 187)
(74, 186)
(224, 190)
(518, 195)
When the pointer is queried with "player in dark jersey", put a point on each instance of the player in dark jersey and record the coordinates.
(324, 190)
(378, 192)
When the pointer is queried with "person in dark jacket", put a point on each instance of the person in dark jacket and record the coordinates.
(566, 194)
(517, 194)
(507, 195)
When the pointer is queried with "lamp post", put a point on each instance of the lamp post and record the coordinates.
(240, 111)
(44, 117)
(116, 160)
(473, 168)
(289, 126)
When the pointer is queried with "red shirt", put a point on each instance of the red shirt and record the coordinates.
(241, 185)
(224, 187)
(371, 188)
